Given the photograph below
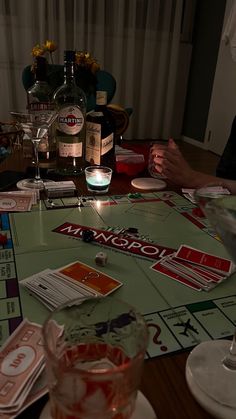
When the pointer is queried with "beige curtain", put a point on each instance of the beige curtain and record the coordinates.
(138, 41)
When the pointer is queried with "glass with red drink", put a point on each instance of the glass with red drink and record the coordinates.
(94, 352)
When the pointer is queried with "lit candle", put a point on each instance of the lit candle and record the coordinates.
(98, 178)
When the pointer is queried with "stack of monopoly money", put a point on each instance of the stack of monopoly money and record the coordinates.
(22, 370)
(18, 201)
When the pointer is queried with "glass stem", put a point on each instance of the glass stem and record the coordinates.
(229, 360)
(233, 345)
(37, 170)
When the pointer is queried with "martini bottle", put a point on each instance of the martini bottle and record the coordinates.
(70, 101)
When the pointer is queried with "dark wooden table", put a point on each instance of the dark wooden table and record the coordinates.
(163, 380)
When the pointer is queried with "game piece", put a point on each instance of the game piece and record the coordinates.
(132, 230)
(101, 258)
(87, 236)
(134, 195)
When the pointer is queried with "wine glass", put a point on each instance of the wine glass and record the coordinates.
(35, 126)
(211, 366)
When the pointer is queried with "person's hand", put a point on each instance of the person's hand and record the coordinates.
(170, 163)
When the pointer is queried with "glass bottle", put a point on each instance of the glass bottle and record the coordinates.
(71, 103)
(100, 144)
(39, 99)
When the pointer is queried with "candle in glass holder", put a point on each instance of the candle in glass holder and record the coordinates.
(98, 178)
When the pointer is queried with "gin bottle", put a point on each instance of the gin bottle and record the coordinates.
(70, 101)
(39, 99)
(100, 144)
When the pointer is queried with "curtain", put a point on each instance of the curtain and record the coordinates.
(138, 41)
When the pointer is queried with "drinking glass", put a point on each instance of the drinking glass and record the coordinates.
(94, 354)
(211, 366)
(151, 166)
(35, 126)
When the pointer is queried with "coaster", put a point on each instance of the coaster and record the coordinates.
(143, 409)
(148, 183)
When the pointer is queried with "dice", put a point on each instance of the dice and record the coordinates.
(101, 258)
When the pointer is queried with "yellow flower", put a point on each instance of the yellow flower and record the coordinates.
(50, 46)
(85, 59)
(38, 50)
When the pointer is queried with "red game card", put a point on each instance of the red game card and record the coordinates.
(205, 283)
(159, 267)
(207, 260)
(203, 272)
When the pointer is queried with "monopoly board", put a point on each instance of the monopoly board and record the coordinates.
(178, 317)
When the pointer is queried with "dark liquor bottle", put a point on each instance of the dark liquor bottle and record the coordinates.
(70, 101)
(39, 99)
(100, 144)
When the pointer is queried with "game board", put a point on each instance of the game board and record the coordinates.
(178, 317)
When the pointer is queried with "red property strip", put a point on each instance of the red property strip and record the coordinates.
(193, 220)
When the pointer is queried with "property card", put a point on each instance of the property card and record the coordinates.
(89, 278)
(217, 190)
(204, 283)
(159, 267)
(203, 272)
(198, 257)
(195, 268)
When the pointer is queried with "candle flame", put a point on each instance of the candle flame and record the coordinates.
(98, 176)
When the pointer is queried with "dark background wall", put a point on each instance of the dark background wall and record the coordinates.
(206, 38)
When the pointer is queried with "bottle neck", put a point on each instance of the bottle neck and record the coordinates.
(40, 70)
(69, 72)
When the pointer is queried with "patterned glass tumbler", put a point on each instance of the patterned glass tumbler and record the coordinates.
(94, 352)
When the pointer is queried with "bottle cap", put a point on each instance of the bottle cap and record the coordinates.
(69, 55)
(41, 67)
(101, 97)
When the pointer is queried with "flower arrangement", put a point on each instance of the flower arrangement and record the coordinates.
(83, 58)
(49, 47)
(88, 74)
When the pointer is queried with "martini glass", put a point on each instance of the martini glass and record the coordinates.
(35, 126)
(211, 366)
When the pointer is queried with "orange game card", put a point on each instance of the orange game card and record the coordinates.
(90, 278)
